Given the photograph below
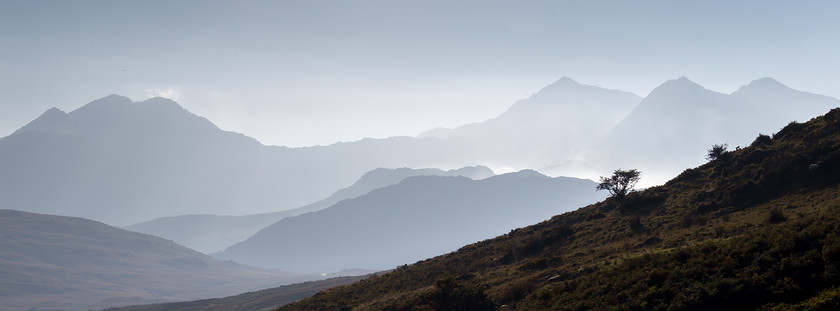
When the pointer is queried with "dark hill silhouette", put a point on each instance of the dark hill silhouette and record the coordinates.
(56, 262)
(214, 233)
(754, 229)
(415, 219)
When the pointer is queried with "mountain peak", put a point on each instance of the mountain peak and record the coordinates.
(566, 80)
(162, 104)
(682, 80)
(48, 120)
(766, 84)
(54, 111)
(767, 81)
(111, 100)
(115, 101)
(526, 173)
(159, 101)
(562, 83)
(682, 84)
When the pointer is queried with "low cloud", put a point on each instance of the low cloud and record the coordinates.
(170, 93)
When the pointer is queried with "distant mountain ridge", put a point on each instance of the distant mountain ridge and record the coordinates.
(122, 162)
(551, 123)
(415, 219)
(671, 129)
(214, 233)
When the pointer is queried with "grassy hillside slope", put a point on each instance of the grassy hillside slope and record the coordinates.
(758, 228)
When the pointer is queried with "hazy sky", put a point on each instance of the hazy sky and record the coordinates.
(308, 72)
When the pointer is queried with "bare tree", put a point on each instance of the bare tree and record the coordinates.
(620, 183)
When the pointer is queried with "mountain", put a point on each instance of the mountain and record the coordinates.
(559, 119)
(122, 162)
(204, 232)
(671, 129)
(56, 262)
(786, 103)
(755, 229)
(415, 219)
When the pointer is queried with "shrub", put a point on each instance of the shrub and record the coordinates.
(776, 216)
(716, 152)
(761, 140)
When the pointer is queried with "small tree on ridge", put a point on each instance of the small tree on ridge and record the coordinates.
(716, 152)
(620, 183)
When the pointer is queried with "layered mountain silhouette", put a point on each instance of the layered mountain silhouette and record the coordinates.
(125, 162)
(413, 220)
(122, 162)
(213, 233)
(55, 262)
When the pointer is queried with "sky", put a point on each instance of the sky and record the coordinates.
(302, 73)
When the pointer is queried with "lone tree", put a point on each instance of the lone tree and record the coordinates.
(716, 152)
(621, 182)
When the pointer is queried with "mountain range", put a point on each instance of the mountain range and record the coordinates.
(55, 262)
(551, 124)
(121, 162)
(415, 219)
(212, 233)
(752, 229)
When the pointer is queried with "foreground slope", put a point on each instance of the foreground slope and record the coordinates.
(418, 218)
(56, 262)
(756, 228)
(213, 233)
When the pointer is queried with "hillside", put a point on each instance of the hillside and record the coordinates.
(420, 217)
(756, 228)
(56, 262)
